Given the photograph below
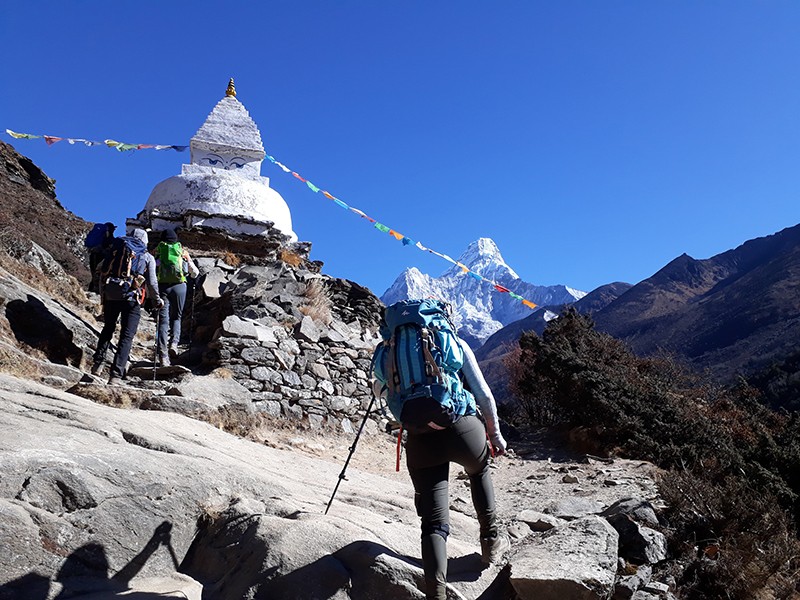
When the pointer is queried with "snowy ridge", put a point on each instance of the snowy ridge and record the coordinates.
(479, 310)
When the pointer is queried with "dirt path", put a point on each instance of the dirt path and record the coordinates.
(537, 471)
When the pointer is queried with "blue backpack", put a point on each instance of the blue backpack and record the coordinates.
(123, 270)
(99, 237)
(418, 364)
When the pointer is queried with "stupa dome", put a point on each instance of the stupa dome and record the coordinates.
(222, 187)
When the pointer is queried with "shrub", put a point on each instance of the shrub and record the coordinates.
(739, 461)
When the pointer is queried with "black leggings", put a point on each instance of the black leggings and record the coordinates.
(428, 457)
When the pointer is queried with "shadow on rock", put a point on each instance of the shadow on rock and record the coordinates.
(33, 324)
(86, 571)
(361, 570)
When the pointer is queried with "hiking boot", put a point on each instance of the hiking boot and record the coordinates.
(493, 548)
(115, 380)
(173, 351)
(163, 361)
(97, 368)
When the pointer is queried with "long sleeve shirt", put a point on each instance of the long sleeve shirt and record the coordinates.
(479, 388)
(150, 274)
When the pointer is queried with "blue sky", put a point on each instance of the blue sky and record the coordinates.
(593, 141)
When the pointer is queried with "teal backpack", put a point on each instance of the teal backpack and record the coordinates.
(418, 363)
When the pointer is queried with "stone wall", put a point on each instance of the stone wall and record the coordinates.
(300, 341)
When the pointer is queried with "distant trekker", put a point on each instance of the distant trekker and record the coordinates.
(127, 273)
(98, 243)
(173, 264)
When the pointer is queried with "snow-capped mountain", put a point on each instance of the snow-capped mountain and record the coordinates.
(479, 310)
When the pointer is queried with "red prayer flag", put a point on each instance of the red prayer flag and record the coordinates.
(51, 139)
(500, 288)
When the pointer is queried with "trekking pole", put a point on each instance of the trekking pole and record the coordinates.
(155, 350)
(191, 314)
(352, 450)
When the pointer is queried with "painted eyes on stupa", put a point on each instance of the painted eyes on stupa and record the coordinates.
(214, 160)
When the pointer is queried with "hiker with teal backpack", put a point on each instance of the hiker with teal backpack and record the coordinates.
(127, 273)
(417, 368)
(173, 264)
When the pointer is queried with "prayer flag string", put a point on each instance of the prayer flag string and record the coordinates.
(406, 241)
(121, 146)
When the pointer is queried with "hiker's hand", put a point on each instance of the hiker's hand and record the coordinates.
(498, 443)
(185, 254)
(160, 303)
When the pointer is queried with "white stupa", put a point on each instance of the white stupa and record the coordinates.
(222, 188)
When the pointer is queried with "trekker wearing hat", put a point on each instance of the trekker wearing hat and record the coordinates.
(125, 272)
(173, 264)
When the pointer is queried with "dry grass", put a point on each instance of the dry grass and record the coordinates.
(291, 258)
(13, 243)
(317, 302)
(236, 420)
(231, 259)
(68, 290)
(16, 363)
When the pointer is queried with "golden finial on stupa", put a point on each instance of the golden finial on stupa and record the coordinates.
(231, 91)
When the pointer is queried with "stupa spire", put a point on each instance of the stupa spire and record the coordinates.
(231, 91)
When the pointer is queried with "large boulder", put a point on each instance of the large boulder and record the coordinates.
(45, 329)
(574, 561)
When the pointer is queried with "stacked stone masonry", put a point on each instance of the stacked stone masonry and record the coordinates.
(301, 342)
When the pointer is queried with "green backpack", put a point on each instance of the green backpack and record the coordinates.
(170, 268)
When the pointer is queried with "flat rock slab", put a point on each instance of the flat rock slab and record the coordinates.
(91, 492)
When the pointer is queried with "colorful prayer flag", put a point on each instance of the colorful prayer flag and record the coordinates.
(21, 136)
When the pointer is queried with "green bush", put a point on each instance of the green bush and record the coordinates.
(737, 462)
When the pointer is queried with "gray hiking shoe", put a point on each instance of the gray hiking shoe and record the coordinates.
(164, 361)
(97, 368)
(115, 381)
(173, 351)
(493, 548)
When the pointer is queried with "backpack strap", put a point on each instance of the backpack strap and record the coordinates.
(394, 381)
(432, 371)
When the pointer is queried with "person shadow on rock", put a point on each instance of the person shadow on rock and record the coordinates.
(86, 571)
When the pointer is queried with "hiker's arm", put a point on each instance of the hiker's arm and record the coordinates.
(193, 270)
(150, 277)
(483, 395)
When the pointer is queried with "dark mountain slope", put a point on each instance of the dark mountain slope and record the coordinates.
(596, 300)
(30, 211)
(732, 313)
